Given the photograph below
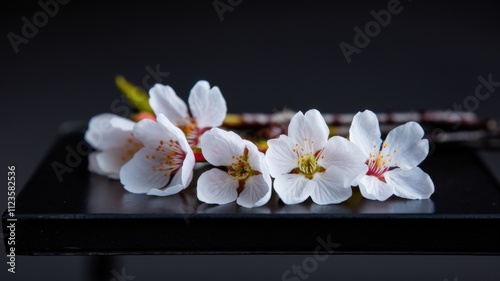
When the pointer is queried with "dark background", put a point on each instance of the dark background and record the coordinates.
(264, 56)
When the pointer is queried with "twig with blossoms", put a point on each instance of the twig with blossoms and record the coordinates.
(157, 155)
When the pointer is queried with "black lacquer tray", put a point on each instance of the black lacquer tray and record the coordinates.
(89, 214)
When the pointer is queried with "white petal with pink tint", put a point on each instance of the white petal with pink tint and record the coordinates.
(344, 156)
(112, 136)
(293, 188)
(309, 127)
(219, 147)
(247, 178)
(108, 131)
(164, 100)
(175, 186)
(406, 145)
(165, 165)
(331, 187)
(365, 132)
(375, 189)
(256, 192)
(207, 106)
(216, 187)
(410, 184)
(138, 174)
(280, 156)
(111, 161)
(256, 158)
(150, 132)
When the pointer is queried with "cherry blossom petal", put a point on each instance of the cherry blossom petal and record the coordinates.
(121, 123)
(410, 184)
(344, 156)
(163, 100)
(256, 159)
(219, 146)
(262, 167)
(375, 189)
(331, 187)
(186, 171)
(365, 132)
(108, 131)
(310, 127)
(293, 188)
(138, 175)
(174, 186)
(280, 157)
(110, 161)
(207, 106)
(256, 192)
(265, 199)
(93, 166)
(150, 133)
(177, 135)
(406, 145)
(217, 187)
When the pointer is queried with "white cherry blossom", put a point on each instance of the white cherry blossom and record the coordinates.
(207, 106)
(164, 166)
(247, 178)
(306, 163)
(392, 164)
(111, 135)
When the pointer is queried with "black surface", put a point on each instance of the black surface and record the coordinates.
(264, 55)
(86, 213)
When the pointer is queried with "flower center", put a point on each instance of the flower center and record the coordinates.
(380, 163)
(174, 157)
(308, 164)
(191, 131)
(241, 169)
(307, 160)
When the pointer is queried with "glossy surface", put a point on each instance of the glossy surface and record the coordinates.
(462, 184)
(86, 213)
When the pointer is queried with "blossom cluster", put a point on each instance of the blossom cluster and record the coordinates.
(157, 155)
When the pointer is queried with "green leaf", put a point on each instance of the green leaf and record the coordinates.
(135, 95)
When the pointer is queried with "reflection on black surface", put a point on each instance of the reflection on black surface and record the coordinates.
(463, 187)
(359, 205)
(397, 206)
(109, 197)
(231, 208)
